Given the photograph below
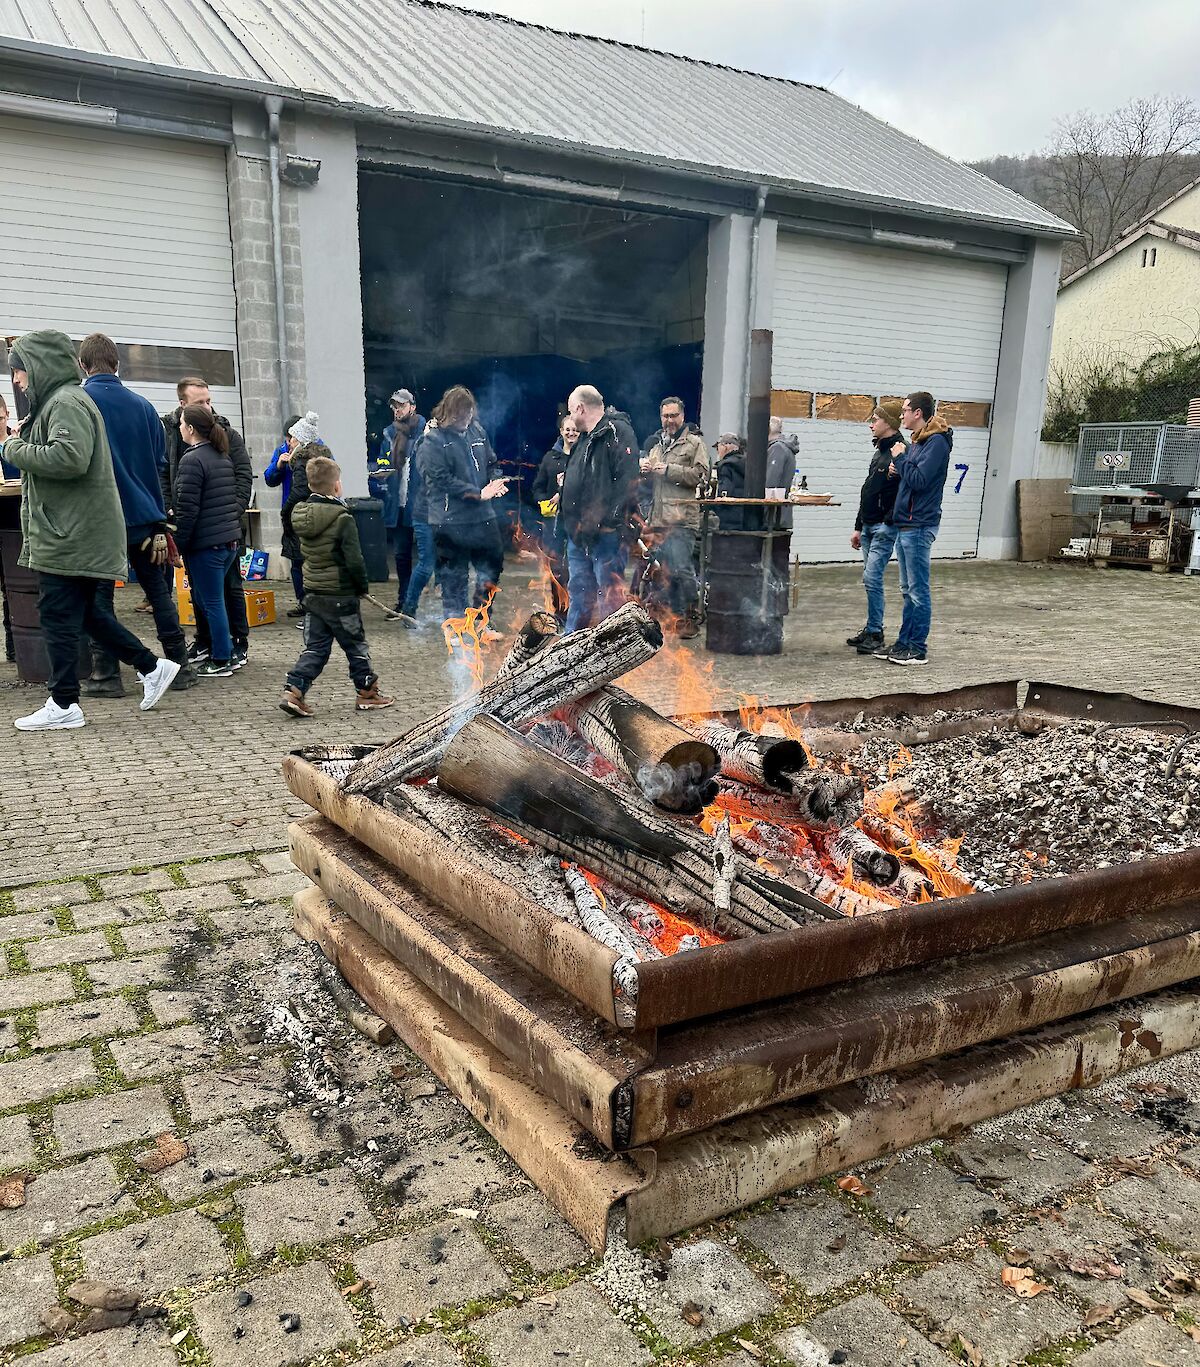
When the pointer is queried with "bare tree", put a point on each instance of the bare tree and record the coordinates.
(1104, 172)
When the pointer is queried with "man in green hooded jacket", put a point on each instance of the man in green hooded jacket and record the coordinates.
(73, 527)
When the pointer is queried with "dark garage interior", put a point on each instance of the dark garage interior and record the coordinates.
(521, 297)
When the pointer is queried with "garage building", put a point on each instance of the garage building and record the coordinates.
(312, 206)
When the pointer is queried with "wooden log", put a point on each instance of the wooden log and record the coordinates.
(558, 807)
(897, 839)
(819, 801)
(672, 767)
(765, 761)
(357, 1013)
(541, 628)
(855, 850)
(796, 869)
(604, 930)
(572, 666)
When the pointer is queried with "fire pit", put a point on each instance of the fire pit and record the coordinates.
(656, 926)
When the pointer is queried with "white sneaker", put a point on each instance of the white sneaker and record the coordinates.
(156, 683)
(51, 717)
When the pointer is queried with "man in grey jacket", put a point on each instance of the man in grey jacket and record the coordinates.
(781, 463)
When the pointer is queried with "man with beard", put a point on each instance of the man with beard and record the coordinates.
(677, 463)
(394, 477)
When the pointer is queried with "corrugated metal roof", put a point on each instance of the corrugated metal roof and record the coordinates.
(439, 63)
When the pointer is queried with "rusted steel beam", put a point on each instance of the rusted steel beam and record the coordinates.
(584, 1181)
(743, 1161)
(530, 1021)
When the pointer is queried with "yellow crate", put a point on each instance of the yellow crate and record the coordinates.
(260, 603)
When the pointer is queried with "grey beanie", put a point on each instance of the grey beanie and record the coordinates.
(306, 430)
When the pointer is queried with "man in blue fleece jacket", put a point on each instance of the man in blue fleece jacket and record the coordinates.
(139, 453)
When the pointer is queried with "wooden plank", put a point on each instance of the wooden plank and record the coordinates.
(791, 403)
(845, 407)
(961, 413)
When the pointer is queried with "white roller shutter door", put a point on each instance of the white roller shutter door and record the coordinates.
(118, 233)
(852, 319)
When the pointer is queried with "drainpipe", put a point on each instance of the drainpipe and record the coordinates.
(760, 205)
(274, 108)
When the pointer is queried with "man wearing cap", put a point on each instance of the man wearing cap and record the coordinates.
(393, 477)
(873, 535)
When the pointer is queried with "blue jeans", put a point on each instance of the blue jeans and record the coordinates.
(416, 557)
(878, 541)
(206, 570)
(595, 572)
(913, 548)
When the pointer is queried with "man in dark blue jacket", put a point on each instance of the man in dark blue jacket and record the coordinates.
(916, 516)
(139, 454)
(394, 477)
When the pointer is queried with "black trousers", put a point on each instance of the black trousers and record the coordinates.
(328, 620)
(158, 584)
(70, 607)
(460, 547)
(235, 607)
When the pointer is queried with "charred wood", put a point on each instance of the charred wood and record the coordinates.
(541, 628)
(766, 761)
(855, 850)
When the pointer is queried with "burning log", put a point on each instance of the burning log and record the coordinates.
(572, 666)
(855, 850)
(820, 800)
(601, 927)
(896, 838)
(668, 764)
(564, 811)
(767, 849)
(765, 761)
(541, 628)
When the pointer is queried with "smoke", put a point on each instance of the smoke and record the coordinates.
(677, 787)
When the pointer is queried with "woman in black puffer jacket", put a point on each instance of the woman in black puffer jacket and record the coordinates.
(208, 526)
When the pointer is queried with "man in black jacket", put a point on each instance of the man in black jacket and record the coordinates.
(873, 534)
(597, 493)
(194, 389)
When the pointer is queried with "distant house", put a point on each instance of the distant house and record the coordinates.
(1139, 294)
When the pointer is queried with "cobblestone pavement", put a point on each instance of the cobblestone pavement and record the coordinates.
(336, 1206)
(200, 774)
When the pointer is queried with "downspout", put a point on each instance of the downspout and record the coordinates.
(760, 205)
(274, 107)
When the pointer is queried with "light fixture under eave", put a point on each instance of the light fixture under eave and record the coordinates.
(570, 187)
(927, 244)
(62, 111)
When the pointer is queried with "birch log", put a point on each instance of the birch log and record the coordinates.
(570, 667)
(765, 761)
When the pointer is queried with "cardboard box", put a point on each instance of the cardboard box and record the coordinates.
(183, 599)
(260, 603)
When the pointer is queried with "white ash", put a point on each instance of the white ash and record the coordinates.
(900, 721)
(1074, 797)
(626, 1277)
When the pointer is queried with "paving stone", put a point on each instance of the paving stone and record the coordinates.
(61, 950)
(820, 1243)
(329, 1131)
(242, 920)
(277, 885)
(865, 1330)
(219, 871)
(277, 861)
(84, 1020)
(26, 1288)
(925, 1200)
(16, 1142)
(234, 1090)
(166, 1051)
(1166, 1205)
(137, 1345)
(33, 925)
(139, 970)
(579, 1328)
(437, 1116)
(162, 934)
(114, 911)
(36, 989)
(50, 895)
(174, 1007)
(424, 1350)
(307, 1291)
(712, 1277)
(1081, 1232)
(303, 1210)
(1094, 1128)
(177, 1250)
(123, 884)
(43, 1076)
(459, 1171)
(101, 1122)
(969, 1299)
(65, 1199)
(227, 1151)
(197, 899)
(1028, 1174)
(443, 1265)
(538, 1232)
(1150, 1340)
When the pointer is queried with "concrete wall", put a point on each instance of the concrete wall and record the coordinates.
(1020, 395)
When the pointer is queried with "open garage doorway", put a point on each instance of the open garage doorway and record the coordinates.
(521, 297)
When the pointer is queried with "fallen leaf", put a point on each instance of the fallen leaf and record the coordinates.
(12, 1190)
(102, 1295)
(1142, 1299)
(1098, 1314)
(836, 1245)
(852, 1184)
(1098, 1265)
(364, 1284)
(971, 1353)
(416, 1090)
(238, 820)
(1136, 1167)
(549, 1301)
(693, 1314)
(177, 1339)
(1193, 1332)
(1022, 1281)
(908, 1256)
(1016, 1256)
(749, 1347)
(168, 1150)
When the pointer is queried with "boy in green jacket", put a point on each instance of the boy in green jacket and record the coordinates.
(335, 577)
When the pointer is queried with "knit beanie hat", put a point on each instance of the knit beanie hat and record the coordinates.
(15, 362)
(889, 411)
(305, 430)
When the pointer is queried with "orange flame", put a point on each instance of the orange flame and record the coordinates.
(787, 722)
(465, 634)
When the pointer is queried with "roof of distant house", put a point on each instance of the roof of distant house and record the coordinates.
(1149, 227)
(432, 64)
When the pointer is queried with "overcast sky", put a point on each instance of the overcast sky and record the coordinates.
(994, 78)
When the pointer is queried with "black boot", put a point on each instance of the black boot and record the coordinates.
(105, 680)
(186, 678)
